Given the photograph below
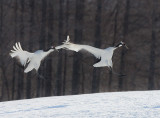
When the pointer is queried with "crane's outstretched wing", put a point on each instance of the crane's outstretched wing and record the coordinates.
(76, 47)
(23, 56)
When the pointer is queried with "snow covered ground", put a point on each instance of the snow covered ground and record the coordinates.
(140, 104)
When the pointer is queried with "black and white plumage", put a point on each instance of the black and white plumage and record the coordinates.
(31, 60)
(105, 55)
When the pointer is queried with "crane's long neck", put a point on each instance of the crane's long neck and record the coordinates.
(90, 48)
(46, 53)
(118, 45)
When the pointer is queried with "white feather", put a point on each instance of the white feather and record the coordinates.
(34, 59)
(104, 54)
(14, 48)
(23, 56)
(19, 46)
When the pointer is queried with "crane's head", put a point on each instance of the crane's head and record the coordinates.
(122, 44)
(52, 48)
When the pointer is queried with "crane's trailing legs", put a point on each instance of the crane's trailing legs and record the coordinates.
(40, 76)
(120, 75)
(105, 55)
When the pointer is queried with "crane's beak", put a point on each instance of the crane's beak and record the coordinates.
(126, 46)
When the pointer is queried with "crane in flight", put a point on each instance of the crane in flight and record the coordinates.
(27, 59)
(105, 55)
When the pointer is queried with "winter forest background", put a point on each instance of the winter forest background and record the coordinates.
(38, 24)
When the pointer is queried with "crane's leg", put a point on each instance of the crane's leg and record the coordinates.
(18, 64)
(120, 75)
(83, 60)
(40, 76)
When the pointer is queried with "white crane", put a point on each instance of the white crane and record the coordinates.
(105, 55)
(31, 60)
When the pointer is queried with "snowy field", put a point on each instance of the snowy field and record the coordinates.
(140, 104)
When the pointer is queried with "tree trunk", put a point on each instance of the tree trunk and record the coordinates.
(20, 71)
(29, 76)
(96, 71)
(65, 52)
(14, 65)
(60, 32)
(125, 31)
(49, 61)
(78, 37)
(40, 81)
(151, 85)
(114, 40)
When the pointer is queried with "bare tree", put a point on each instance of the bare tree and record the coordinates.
(65, 52)
(125, 32)
(96, 71)
(78, 37)
(115, 12)
(48, 72)
(151, 77)
(59, 70)
(20, 94)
